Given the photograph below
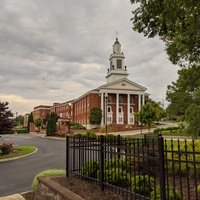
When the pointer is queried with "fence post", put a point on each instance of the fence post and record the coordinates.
(118, 146)
(67, 156)
(162, 167)
(102, 161)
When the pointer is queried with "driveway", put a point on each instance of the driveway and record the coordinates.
(17, 175)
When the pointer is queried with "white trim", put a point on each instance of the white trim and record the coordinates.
(117, 91)
(117, 108)
(128, 107)
(143, 100)
(139, 103)
(102, 119)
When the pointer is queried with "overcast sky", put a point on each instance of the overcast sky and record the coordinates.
(54, 51)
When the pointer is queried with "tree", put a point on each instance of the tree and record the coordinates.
(147, 114)
(95, 116)
(6, 124)
(159, 111)
(184, 92)
(192, 116)
(20, 120)
(176, 22)
(51, 124)
(38, 122)
(30, 120)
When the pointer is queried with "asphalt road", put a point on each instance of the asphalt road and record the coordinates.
(17, 175)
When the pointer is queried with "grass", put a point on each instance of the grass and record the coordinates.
(18, 151)
(50, 172)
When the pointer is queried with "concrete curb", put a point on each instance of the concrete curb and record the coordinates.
(53, 138)
(18, 157)
(13, 197)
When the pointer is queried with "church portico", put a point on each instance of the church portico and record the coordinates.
(119, 106)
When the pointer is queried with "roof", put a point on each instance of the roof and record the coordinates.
(124, 84)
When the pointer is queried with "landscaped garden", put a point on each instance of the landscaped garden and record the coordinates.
(7, 150)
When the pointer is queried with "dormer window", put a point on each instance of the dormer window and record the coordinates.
(119, 64)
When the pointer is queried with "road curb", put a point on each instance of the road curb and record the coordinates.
(53, 138)
(18, 157)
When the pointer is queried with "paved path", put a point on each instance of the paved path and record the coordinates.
(16, 176)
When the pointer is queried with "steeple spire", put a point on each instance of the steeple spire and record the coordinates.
(117, 69)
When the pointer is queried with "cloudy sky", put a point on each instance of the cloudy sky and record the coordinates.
(54, 51)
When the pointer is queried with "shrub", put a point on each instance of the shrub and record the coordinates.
(90, 168)
(75, 125)
(22, 130)
(50, 172)
(173, 195)
(95, 116)
(198, 189)
(6, 148)
(115, 162)
(116, 176)
(90, 135)
(142, 184)
(182, 168)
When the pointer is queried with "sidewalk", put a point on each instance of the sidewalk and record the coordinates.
(13, 197)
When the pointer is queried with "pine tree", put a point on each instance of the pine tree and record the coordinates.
(30, 120)
(6, 124)
(51, 125)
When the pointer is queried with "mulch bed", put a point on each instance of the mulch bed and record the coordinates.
(86, 190)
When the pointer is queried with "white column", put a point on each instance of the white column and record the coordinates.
(117, 108)
(128, 107)
(102, 108)
(143, 100)
(139, 102)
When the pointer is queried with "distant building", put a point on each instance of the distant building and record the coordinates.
(118, 99)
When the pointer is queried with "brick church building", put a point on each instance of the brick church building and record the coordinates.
(118, 99)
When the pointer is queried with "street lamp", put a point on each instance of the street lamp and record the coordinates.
(106, 110)
(69, 118)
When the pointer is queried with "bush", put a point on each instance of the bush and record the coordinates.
(74, 125)
(142, 184)
(90, 168)
(22, 130)
(90, 135)
(177, 168)
(6, 148)
(115, 162)
(50, 172)
(198, 189)
(116, 176)
(168, 129)
(173, 195)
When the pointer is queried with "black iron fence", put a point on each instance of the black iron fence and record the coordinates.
(147, 168)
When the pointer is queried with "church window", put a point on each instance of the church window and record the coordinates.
(120, 99)
(109, 99)
(120, 109)
(119, 64)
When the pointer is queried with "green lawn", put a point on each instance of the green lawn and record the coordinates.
(18, 151)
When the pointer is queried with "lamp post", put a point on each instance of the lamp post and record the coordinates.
(68, 124)
(106, 110)
(69, 118)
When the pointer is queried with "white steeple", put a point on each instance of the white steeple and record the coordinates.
(117, 69)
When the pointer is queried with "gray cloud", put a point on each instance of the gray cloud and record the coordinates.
(53, 51)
